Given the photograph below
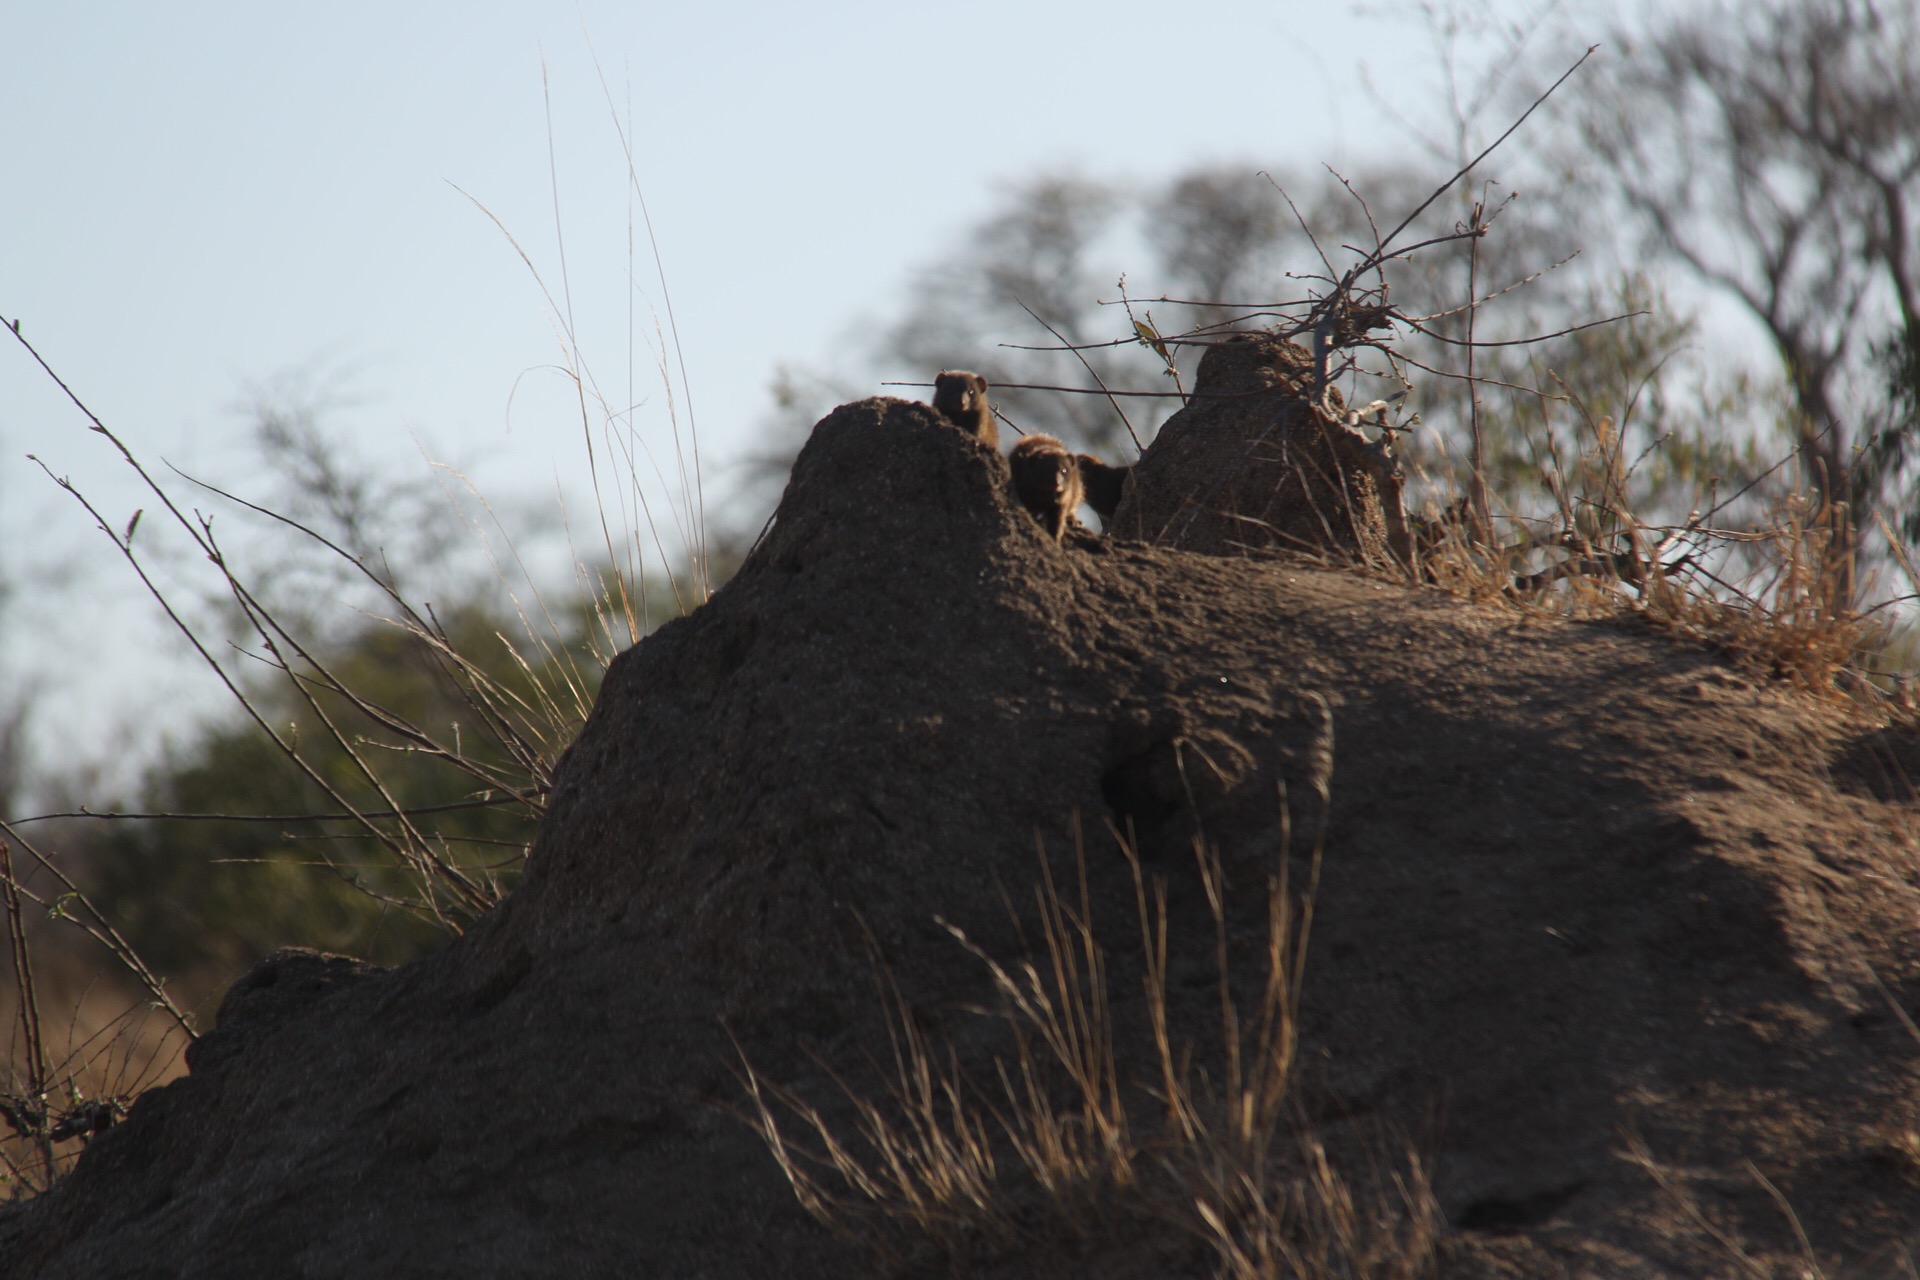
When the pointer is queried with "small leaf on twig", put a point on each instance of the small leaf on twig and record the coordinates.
(1151, 337)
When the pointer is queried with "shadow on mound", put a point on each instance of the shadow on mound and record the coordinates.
(1564, 900)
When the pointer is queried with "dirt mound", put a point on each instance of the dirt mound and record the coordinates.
(1262, 458)
(1580, 888)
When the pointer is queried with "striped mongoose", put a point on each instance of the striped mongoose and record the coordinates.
(1046, 479)
(962, 398)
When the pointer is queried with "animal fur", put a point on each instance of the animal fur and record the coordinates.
(1046, 479)
(1103, 485)
(961, 397)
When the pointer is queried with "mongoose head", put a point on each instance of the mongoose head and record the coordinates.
(961, 398)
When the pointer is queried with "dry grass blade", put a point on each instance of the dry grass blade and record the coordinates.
(1674, 1185)
(73, 906)
(54, 1098)
(1230, 1162)
(930, 1173)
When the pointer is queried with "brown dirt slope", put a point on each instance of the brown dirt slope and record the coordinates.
(1579, 884)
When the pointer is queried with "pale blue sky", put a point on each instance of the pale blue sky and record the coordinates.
(199, 197)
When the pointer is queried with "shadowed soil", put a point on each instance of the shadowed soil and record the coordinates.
(1581, 887)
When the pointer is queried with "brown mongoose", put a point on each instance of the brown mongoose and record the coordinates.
(962, 398)
(1103, 485)
(1046, 479)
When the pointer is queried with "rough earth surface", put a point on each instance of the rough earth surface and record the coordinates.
(1261, 458)
(1582, 889)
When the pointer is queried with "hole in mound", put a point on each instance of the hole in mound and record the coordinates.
(1500, 1215)
(1883, 765)
(1144, 788)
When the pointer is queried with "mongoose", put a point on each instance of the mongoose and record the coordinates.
(1046, 479)
(1103, 484)
(962, 397)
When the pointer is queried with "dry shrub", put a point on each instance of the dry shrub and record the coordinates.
(519, 703)
(1776, 593)
(67, 1082)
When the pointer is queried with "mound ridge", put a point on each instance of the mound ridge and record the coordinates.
(1580, 885)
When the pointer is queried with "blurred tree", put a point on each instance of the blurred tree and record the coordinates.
(210, 897)
(1700, 135)
(1231, 248)
(1894, 439)
(454, 712)
(346, 527)
(15, 704)
(13, 752)
(1026, 268)
(1772, 150)
(1223, 237)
